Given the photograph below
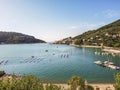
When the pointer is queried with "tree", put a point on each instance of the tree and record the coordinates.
(88, 87)
(76, 82)
(117, 81)
(78, 42)
(2, 73)
(25, 83)
(33, 83)
(52, 87)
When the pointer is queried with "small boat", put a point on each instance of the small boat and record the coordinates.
(6, 62)
(32, 56)
(98, 62)
(97, 53)
(108, 62)
(1, 62)
(46, 50)
(113, 67)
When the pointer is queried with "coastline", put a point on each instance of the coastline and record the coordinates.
(110, 50)
(86, 46)
(89, 46)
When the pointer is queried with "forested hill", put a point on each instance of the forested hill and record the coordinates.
(108, 35)
(16, 38)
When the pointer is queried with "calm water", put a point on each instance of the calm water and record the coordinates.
(56, 63)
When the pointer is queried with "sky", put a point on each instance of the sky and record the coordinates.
(52, 20)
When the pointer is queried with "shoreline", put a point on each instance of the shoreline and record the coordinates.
(101, 86)
(20, 76)
(86, 46)
(110, 50)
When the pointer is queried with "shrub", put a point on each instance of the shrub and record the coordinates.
(2, 73)
(117, 80)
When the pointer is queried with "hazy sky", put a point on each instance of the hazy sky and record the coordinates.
(52, 20)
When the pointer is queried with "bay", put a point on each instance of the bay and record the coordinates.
(56, 63)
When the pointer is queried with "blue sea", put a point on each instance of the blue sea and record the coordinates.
(56, 63)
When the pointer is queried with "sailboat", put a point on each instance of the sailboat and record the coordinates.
(107, 63)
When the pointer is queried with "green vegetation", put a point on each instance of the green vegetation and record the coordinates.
(26, 83)
(15, 38)
(2, 73)
(78, 83)
(52, 87)
(117, 80)
(108, 35)
(33, 83)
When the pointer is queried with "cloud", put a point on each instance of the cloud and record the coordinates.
(72, 27)
(108, 14)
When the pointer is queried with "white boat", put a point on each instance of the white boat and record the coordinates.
(109, 63)
(113, 67)
(98, 62)
(97, 53)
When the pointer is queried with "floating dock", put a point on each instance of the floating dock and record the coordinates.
(107, 64)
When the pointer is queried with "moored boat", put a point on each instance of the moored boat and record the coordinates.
(113, 67)
(98, 62)
(107, 64)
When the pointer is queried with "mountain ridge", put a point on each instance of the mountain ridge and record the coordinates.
(17, 38)
(108, 35)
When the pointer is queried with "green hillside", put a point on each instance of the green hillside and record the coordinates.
(15, 38)
(108, 35)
